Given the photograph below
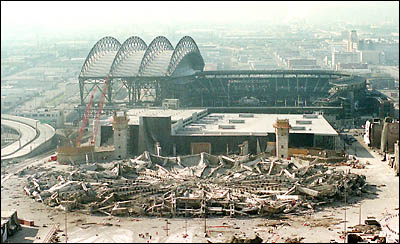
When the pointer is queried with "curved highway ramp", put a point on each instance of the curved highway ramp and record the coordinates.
(34, 136)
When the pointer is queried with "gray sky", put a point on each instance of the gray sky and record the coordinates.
(64, 17)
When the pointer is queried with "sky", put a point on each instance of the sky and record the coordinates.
(32, 18)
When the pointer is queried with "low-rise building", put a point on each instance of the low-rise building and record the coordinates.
(345, 58)
(49, 116)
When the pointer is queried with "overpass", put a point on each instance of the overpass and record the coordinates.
(34, 137)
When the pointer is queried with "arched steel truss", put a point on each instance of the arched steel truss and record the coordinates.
(186, 47)
(128, 48)
(88, 82)
(157, 46)
(105, 44)
(138, 84)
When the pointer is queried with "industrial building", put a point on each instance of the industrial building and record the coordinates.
(183, 132)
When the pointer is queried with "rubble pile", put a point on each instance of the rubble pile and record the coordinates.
(195, 185)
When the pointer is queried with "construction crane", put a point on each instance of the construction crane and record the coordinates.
(85, 118)
(101, 105)
(87, 111)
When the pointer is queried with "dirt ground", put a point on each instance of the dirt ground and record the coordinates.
(324, 225)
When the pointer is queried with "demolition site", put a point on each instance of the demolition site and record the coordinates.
(228, 156)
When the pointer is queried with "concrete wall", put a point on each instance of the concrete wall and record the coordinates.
(81, 157)
(133, 139)
(121, 135)
(393, 135)
(282, 142)
(390, 134)
(218, 143)
(375, 135)
(44, 147)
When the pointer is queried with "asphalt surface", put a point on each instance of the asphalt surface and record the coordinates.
(27, 134)
(30, 138)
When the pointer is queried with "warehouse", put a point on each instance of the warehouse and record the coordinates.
(183, 132)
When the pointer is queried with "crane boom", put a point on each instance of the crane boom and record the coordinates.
(101, 105)
(85, 118)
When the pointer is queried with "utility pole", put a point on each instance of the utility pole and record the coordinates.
(344, 231)
(205, 222)
(186, 219)
(166, 227)
(66, 233)
(204, 206)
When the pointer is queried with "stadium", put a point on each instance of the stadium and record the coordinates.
(141, 74)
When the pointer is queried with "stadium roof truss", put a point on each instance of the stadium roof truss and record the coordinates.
(186, 48)
(157, 56)
(135, 66)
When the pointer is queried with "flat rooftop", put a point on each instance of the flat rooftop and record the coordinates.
(176, 114)
(237, 124)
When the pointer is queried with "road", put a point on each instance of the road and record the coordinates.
(27, 134)
(43, 134)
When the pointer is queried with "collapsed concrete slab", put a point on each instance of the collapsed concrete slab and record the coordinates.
(194, 185)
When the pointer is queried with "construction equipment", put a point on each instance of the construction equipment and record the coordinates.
(101, 105)
(87, 111)
(85, 118)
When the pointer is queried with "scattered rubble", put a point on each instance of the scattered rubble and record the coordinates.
(353, 163)
(294, 240)
(236, 239)
(194, 185)
(370, 232)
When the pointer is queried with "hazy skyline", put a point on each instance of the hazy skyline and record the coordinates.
(35, 18)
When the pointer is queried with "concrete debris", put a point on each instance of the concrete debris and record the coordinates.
(294, 240)
(370, 233)
(194, 185)
(236, 239)
(354, 163)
